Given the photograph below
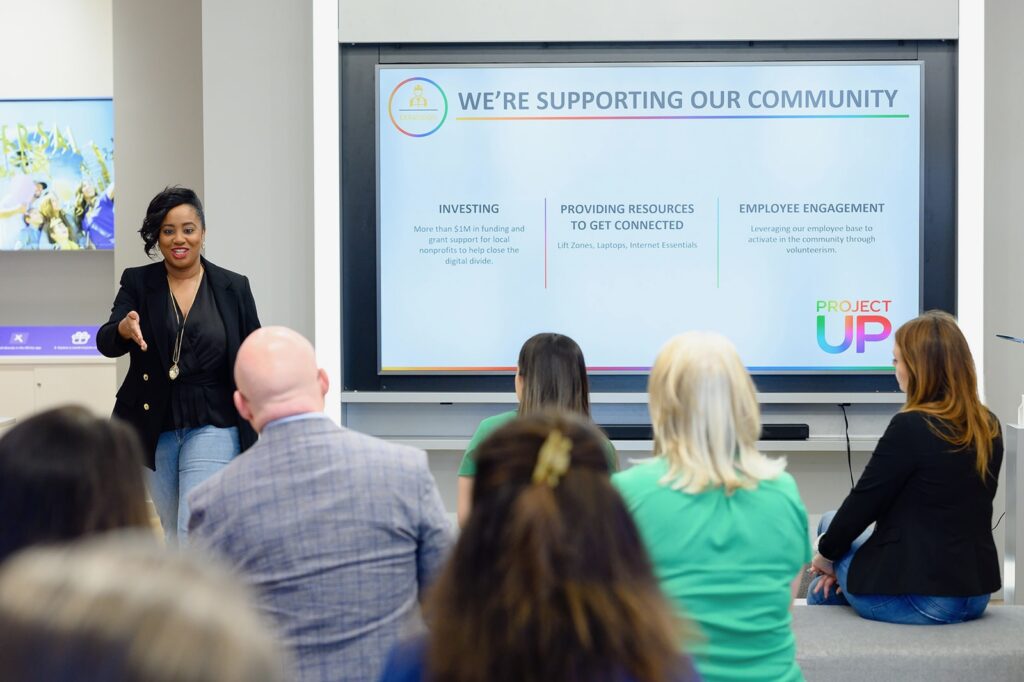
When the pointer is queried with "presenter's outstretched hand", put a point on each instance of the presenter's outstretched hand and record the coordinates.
(129, 328)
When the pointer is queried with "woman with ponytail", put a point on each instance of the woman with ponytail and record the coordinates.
(549, 579)
(928, 490)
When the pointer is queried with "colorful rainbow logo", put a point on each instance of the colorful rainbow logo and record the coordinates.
(880, 329)
(421, 117)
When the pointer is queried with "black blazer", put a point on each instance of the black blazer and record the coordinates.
(143, 398)
(933, 516)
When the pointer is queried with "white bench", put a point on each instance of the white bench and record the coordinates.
(834, 644)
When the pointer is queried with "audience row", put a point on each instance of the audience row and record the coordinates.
(682, 567)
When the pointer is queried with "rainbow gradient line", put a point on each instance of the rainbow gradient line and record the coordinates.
(503, 369)
(677, 118)
(602, 368)
(449, 369)
(821, 368)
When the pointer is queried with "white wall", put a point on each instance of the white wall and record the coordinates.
(258, 155)
(57, 48)
(326, 200)
(400, 21)
(1004, 234)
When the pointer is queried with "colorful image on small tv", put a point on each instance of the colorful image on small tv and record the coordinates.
(56, 175)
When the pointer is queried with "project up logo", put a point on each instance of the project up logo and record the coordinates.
(862, 323)
(418, 107)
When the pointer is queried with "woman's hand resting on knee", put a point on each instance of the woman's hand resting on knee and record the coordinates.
(820, 566)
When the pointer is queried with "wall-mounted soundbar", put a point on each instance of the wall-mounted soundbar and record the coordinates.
(768, 431)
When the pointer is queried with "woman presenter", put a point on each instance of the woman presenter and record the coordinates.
(181, 321)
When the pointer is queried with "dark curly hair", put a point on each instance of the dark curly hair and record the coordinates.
(171, 197)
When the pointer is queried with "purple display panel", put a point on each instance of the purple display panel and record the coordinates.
(63, 341)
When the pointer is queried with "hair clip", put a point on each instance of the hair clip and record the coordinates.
(552, 459)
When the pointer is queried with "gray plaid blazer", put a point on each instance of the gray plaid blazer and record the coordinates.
(336, 531)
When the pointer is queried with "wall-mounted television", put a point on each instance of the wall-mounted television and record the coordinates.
(56, 175)
(798, 199)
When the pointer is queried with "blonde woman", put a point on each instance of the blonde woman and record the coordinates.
(724, 525)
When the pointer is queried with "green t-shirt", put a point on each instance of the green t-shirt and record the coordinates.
(727, 563)
(492, 424)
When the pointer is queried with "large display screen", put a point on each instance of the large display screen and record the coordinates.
(56, 175)
(776, 203)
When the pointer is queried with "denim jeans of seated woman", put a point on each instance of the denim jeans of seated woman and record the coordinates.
(184, 459)
(907, 609)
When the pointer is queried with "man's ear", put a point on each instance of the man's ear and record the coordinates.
(242, 405)
(325, 381)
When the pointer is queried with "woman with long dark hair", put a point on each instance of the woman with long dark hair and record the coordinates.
(181, 321)
(549, 579)
(928, 490)
(550, 374)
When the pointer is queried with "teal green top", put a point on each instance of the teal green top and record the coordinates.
(727, 562)
(492, 424)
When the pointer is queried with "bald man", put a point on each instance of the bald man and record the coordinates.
(337, 531)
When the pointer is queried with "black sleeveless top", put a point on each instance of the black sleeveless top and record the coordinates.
(202, 394)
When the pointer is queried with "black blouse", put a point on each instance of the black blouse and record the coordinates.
(202, 394)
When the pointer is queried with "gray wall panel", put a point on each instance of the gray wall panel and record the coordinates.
(258, 133)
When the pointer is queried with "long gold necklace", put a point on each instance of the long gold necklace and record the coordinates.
(173, 372)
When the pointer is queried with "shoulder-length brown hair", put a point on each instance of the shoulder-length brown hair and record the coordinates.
(549, 582)
(942, 383)
(554, 375)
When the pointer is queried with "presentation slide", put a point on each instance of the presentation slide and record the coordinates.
(776, 203)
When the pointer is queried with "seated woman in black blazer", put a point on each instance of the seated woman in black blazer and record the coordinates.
(181, 321)
(928, 489)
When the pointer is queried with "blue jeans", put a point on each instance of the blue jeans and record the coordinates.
(184, 459)
(906, 609)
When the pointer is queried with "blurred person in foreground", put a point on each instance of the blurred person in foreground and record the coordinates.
(119, 608)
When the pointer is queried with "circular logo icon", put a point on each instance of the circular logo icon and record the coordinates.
(418, 107)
